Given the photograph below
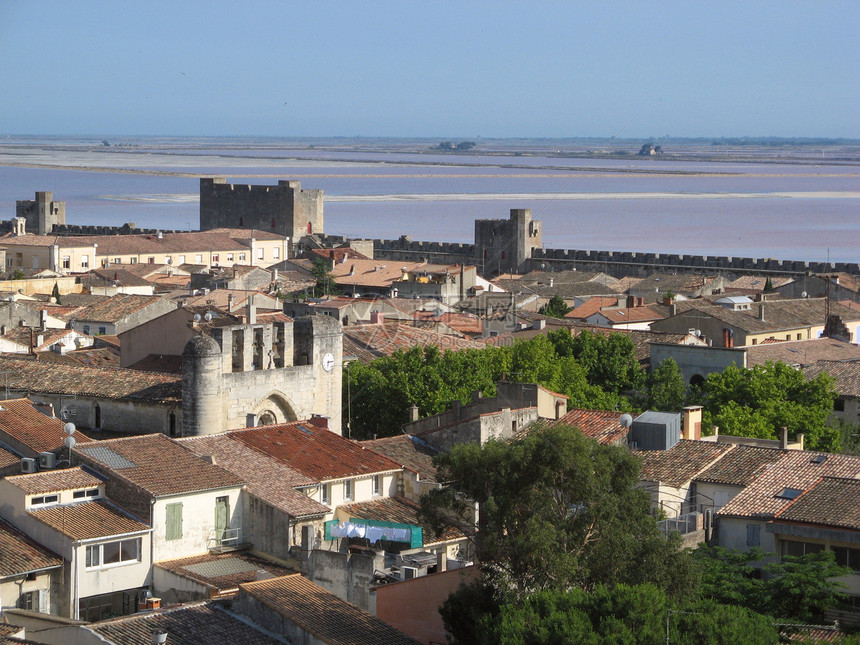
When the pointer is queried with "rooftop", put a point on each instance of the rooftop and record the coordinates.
(681, 463)
(223, 572)
(315, 610)
(802, 352)
(831, 501)
(314, 451)
(110, 383)
(51, 481)
(157, 464)
(797, 469)
(87, 520)
(602, 425)
(267, 479)
(23, 421)
(409, 451)
(400, 510)
(846, 375)
(368, 342)
(115, 309)
(740, 466)
(187, 624)
(19, 554)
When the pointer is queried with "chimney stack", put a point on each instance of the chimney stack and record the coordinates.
(783, 438)
(413, 413)
(691, 422)
(761, 312)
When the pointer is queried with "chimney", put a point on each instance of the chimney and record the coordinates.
(377, 318)
(441, 561)
(691, 422)
(45, 408)
(413, 413)
(631, 302)
(160, 235)
(551, 281)
(352, 270)
(761, 312)
(539, 324)
(43, 319)
(210, 459)
(669, 301)
(251, 311)
(783, 438)
(715, 432)
(250, 420)
(230, 301)
(673, 309)
(20, 226)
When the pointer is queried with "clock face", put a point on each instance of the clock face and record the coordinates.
(328, 362)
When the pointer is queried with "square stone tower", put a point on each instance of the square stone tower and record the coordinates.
(41, 213)
(503, 246)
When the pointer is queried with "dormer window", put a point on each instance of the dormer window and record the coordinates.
(44, 500)
(85, 494)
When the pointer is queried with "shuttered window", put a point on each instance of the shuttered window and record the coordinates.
(174, 521)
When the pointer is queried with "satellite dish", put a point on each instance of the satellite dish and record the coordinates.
(626, 420)
(70, 442)
(196, 317)
(69, 428)
(804, 295)
(208, 316)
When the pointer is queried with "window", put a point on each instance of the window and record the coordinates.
(117, 260)
(181, 259)
(168, 259)
(121, 552)
(67, 262)
(102, 331)
(839, 405)
(44, 500)
(241, 257)
(86, 329)
(753, 535)
(377, 484)
(229, 257)
(260, 253)
(151, 259)
(93, 556)
(276, 253)
(199, 258)
(797, 549)
(29, 600)
(348, 492)
(133, 261)
(174, 521)
(326, 493)
(847, 557)
(82, 494)
(85, 261)
(755, 341)
(215, 257)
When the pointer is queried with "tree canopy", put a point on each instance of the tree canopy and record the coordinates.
(555, 308)
(758, 401)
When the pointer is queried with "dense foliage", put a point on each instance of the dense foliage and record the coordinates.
(757, 402)
(555, 308)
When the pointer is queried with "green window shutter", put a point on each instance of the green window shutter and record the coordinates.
(174, 521)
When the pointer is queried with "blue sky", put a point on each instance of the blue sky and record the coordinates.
(452, 69)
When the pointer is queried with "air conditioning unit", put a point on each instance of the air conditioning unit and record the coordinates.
(47, 460)
(409, 572)
(28, 465)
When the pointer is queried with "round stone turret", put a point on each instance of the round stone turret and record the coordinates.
(201, 387)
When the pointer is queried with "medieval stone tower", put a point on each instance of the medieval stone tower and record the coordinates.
(504, 245)
(235, 376)
(284, 209)
(41, 213)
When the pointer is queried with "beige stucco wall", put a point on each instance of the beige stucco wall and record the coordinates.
(198, 522)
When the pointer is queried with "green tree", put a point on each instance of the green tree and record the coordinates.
(759, 401)
(555, 308)
(55, 294)
(325, 285)
(609, 360)
(666, 389)
(18, 274)
(557, 510)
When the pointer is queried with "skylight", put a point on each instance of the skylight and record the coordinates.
(790, 493)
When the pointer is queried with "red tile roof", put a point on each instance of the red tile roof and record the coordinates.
(19, 554)
(590, 306)
(799, 470)
(268, 479)
(22, 421)
(187, 624)
(831, 502)
(115, 309)
(325, 616)
(602, 425)
(368, 342)
(740, 466)
(123, 384)
(313, 451)
(51, 481)
(409, 451)
(682, 462)
(87, 520)
(7, 458)
(157, 464)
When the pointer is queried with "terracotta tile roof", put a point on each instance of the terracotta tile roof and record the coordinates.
(52, 481)
(590, 306)
(397, 509)
(187, 624)
(21, 420)
(123, 384)
(740, 466)
(268, 479)
(779, 315)
(19, 554)
(846, 374)
(799, 470)
(156, 464)
(339, 254)
(223, 572)
(220, 298)
(681, 463)
(313, 451)
(755, 283)
(328, 618)
(602, 425)
(170, 364)
(368, 342)
(89, 357)
(463, 323)
(22, 336)
(630, 315)
(115, 309)
(113, 276)
(87, 520)
(372, 273)
(410, 452)
(802, 352)
(8, 458)
(831, 502)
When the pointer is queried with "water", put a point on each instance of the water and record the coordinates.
(808, 210)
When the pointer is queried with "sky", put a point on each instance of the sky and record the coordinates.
(431, 69)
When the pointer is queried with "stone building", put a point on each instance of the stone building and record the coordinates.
(41, 213)
(285, 209)
(243, 374)
(505, 245)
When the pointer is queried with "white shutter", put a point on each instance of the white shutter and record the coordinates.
(43, 601)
